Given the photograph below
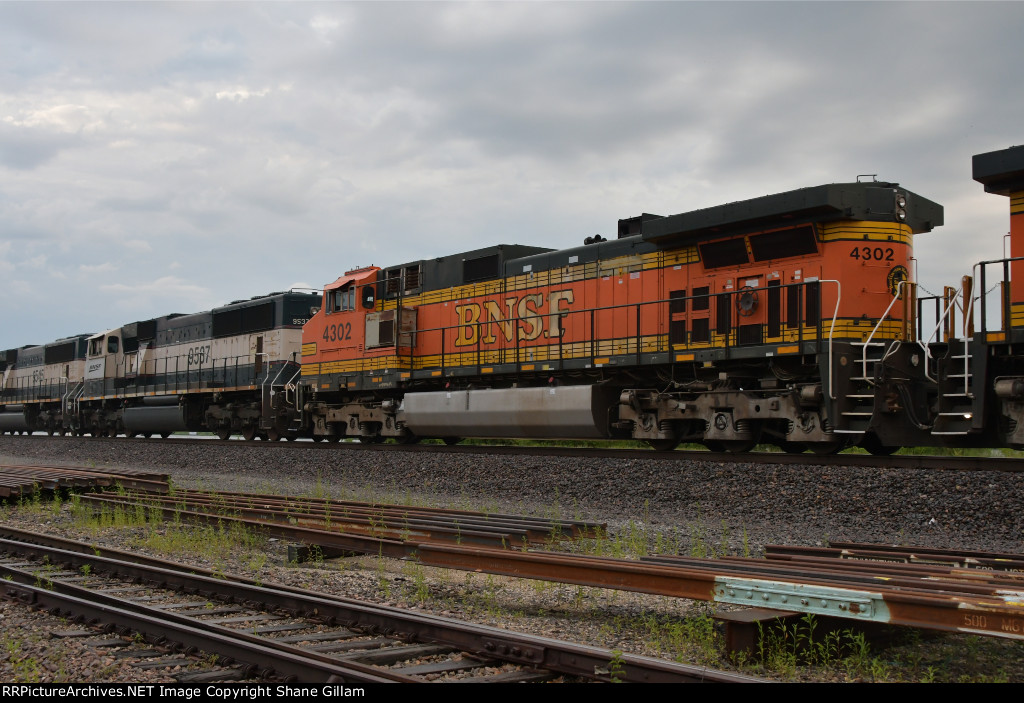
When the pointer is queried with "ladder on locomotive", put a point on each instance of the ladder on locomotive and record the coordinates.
(860, 399)
(956, 390)
(955, 376)
(952, 375)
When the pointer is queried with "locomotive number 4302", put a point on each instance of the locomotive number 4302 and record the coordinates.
(872, 253)
(338, 333)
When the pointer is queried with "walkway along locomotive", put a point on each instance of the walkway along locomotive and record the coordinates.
(790, 319)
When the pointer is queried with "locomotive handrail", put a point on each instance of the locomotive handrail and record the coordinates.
(894, 343)
(266, 379)
(290, 383)
(506, 344)
(65, 394)
(831, 330)
(979, 268)
(477, 325)
(938, 325)
(278, 375)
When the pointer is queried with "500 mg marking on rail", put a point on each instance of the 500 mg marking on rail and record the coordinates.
(975, 621)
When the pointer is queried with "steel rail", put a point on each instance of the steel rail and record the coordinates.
(999, 614)
(907, 578)
(25, 479)
(1000, 561)
(367, 518)
(158, 628)
(757, 582)
(400, 530)
(546, 526)
(562, 657)
(345, 543)
(896, 461)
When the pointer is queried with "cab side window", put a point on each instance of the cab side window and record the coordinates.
(341, 299)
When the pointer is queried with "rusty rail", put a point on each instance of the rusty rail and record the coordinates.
(64, 593)
(379, 528)
(997, 561)
(17, 480)
(918, 595)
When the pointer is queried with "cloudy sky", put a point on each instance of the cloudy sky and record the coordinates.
(159, 158)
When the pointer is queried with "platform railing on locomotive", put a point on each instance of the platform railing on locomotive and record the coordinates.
(792, 326)
(1011, 297)
(157, 375)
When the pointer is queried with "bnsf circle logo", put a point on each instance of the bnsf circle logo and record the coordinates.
(897, 274)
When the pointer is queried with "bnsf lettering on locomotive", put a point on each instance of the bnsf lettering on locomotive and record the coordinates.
(477, 321)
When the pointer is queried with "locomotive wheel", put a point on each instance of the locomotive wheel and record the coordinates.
(825, 448)
(409, 438)
(332, 438)
(664, 445)
(224, 433)
(452, 441)
(792, 447)
(273, 435)
(874, 445)
(165, 435)
(249, 433)
(714, 446)
(321, 438)
(147, 435)
(738, 446)
(370, 438)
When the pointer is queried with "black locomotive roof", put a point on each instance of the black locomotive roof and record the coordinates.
(465, 267)
(837, 201)
(1001, 172)
(583, 254)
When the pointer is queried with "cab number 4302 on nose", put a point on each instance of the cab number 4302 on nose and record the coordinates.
(338, 333)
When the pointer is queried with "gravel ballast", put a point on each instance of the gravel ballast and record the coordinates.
(691, 506)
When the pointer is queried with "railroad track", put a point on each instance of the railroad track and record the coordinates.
(938, 595)
(897, 461)
(274, 632)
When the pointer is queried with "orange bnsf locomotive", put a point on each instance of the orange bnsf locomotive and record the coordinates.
(791, 319)
(758, 321)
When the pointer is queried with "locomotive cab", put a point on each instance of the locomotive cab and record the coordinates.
(103, 354)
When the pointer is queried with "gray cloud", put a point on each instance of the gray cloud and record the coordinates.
(159, 157)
